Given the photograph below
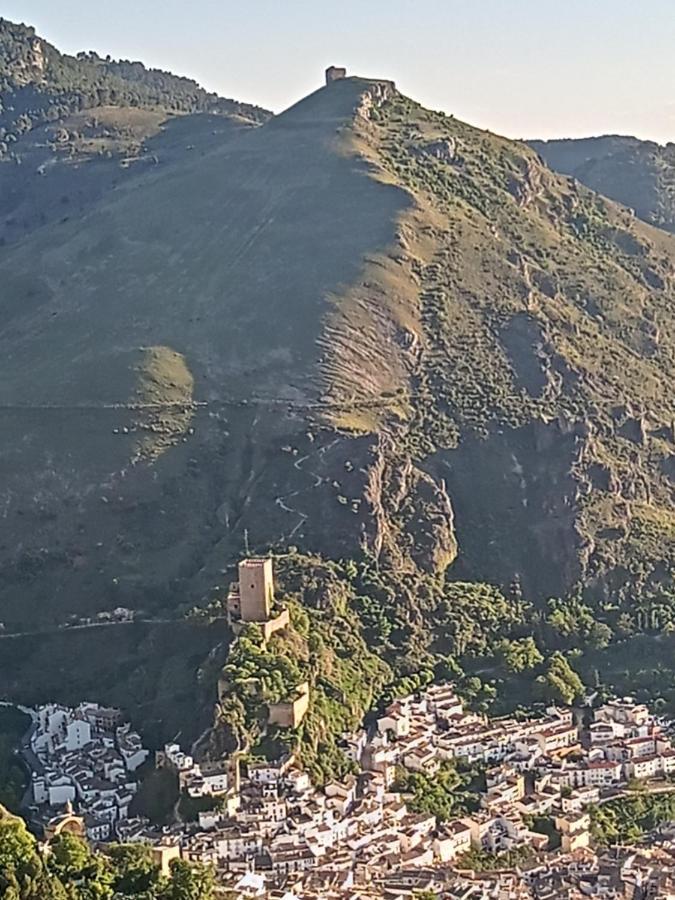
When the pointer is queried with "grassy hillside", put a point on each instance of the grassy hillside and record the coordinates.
(376, 334)
(73, 128)
(639, 174)
(546, 320)
(228, 264)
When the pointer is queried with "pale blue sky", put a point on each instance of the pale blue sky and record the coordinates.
(524, 68)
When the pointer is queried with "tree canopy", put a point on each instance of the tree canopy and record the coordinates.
(71, 870)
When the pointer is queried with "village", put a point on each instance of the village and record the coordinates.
(337, 406)
(85, 758)
(273, 830)
(269, 829)
(273, 822)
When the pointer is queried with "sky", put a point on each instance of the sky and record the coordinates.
(523, 68)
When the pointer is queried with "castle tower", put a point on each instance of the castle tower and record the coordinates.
(335, 73)
(256, 589)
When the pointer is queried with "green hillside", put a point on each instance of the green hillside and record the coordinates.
(639, 174)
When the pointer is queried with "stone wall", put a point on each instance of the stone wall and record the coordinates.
(289, 713)
(274, 625)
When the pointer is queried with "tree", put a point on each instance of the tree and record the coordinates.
(69, 855)
(135, 871)
(520, 655)
(189, 882)
(561, 681)
(44, 885)
(599, 635)
(574, 621)
(74, 872)
(22, 872)
(74, 863)
(17, 846)
(445, 794)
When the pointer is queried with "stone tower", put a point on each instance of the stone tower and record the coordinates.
(335, 73)
(256, 589)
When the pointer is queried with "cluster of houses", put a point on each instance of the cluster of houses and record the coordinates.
(625, 742)
(273, 827)
(272, 833)
(623, 874)
(84, 758)
(196, 779)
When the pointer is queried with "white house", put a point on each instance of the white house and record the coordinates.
(78, 733)
(452, 840)
(396, 719)
(175, 757)
(644, 767)
(60, 791)
(97, 829)
(131, 748)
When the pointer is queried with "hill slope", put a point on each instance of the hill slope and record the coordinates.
(362, 328)
(639, 174)
(72, 128)
(203, 294)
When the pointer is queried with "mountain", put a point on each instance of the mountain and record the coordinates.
(397, 347)
(73, 128)
(408, 304)
(639, 174)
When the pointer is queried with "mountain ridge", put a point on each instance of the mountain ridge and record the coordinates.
(28, 60)
(74, 127)
(383, 380)
(637, 173)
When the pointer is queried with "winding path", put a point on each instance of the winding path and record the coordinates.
(318, 481)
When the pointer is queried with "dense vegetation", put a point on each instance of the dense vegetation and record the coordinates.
(628, 819)
(72, 871)
(483, 861)
(324, 646)
(357, 641)
(452, 791)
